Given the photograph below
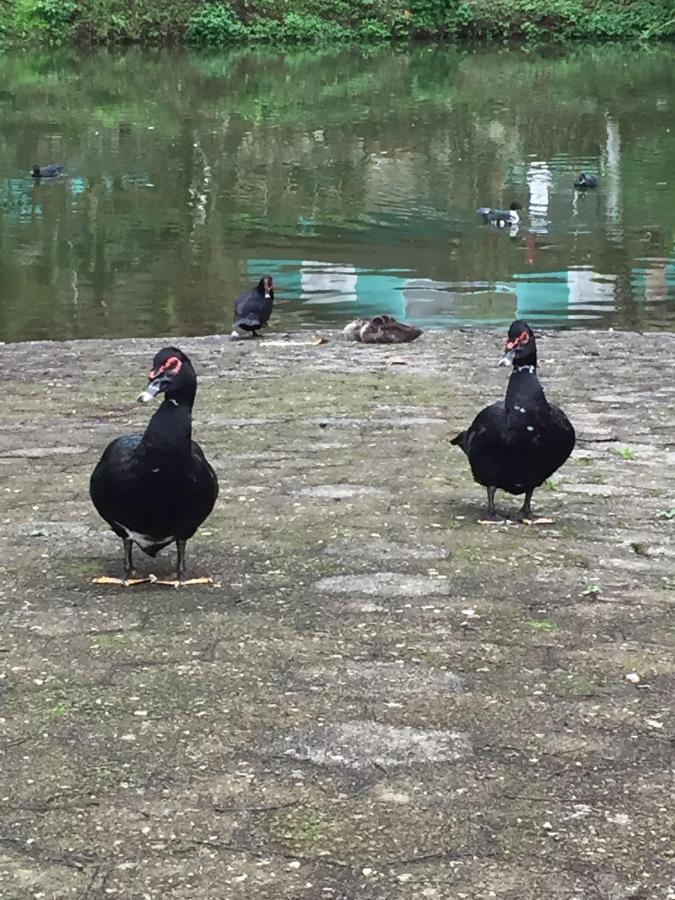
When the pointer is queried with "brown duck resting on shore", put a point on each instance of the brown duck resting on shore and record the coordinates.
(381, 330)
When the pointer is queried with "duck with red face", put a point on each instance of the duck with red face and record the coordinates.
(156, 488)
(517, 443)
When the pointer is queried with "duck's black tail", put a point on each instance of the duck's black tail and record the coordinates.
(249, 322)
(459, 440)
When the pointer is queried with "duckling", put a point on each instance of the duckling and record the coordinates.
(517, 444)
(381, 330)
(584, 181)
(501, 217)
(157, 487)
(253, 308)
(50, 171)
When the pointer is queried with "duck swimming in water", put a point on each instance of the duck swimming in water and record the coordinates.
(584, 181)
(50, 171)
(517, 444)
(501, 217)
(157, 488)
(381, 330)
(253, 309)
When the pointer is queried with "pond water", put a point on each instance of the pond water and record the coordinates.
(353, 178)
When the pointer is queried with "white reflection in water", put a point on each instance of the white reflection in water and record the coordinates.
(539, 179)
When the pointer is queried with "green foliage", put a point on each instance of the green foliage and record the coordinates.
(264, 30)
(332, 21)
(373, 31)
(215, 24)
(301, 28)
(116, 21)
(55, 18)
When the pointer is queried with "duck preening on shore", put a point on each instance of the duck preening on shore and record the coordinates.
(157, 488)
(518, 443)
(381, 330)
(253, 308)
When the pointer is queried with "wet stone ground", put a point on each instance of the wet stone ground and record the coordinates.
(382, 698)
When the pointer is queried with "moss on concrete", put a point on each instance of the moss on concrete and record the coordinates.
(382, 698)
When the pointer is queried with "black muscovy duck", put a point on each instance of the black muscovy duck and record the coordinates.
(381, 330)
(584, 181)
(253, 309)
(517, 444)
(157, 488)
(501, 217)
(50, 171)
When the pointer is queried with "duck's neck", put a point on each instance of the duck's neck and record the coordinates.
(524, 389)
(169, 431)
(515, 218)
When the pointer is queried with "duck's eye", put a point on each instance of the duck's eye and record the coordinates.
(524, 338)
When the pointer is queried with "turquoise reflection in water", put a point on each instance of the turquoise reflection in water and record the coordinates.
(314, 283)
(562, 297)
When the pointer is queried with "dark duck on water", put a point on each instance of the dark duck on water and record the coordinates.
(51, 171)
(501, 217)
(584, 181)
(517, 444)
(157, 488)
(253, 309)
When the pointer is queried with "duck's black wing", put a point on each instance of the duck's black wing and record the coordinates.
(136, 499)
(202, 494)
(492, 216)
(113, 469)
(483, 443)
(537, 441)
(252, 310)
(561, 437)
(50, 171)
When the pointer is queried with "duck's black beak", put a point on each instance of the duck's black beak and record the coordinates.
(507, 359)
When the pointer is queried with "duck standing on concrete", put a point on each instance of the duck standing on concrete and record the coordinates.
(381, 330)
(517, 444)
(253, 309)
(157, 488)
(501, 217)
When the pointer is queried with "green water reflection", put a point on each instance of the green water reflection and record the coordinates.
(351, 178)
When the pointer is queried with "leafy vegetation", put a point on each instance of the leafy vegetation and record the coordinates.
(331, 21)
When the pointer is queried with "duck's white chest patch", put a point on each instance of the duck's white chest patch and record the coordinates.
(144, 540)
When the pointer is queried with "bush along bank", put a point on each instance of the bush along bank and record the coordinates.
(330, 21)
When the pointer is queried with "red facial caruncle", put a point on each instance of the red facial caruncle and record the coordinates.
(172, 366)
(522, 338)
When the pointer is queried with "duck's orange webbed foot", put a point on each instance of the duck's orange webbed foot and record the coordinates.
(177, 583)
(124, 582)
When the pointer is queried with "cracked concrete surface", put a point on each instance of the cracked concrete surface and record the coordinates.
(383, 698)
